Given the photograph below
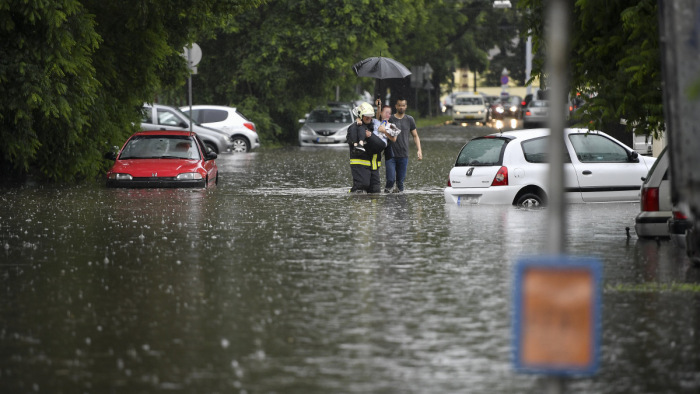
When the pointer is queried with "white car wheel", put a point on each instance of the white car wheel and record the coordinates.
(239, 145)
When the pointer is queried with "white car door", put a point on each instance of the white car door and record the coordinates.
(605, 169)
(536, 151)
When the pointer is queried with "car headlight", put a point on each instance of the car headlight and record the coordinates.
(499, 110)
(306, 131)
(120, 177)
(188, 176)
(513, 109)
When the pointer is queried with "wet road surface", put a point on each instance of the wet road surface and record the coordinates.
(278, 280)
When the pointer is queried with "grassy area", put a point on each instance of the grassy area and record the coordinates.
(434, 121)
(655, 287)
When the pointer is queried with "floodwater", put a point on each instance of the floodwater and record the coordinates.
(280, 281)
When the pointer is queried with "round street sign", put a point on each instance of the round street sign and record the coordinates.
(193, 55)
(504, 80)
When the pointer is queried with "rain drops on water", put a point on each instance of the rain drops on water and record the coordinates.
(225, 343)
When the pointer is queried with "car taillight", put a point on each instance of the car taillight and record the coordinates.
(678, 215)
(449, 183)
(250, 126)
(650, 199)
(528, 113)
(501, 178)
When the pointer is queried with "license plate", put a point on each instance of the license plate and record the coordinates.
(468, 199)
(325, 140)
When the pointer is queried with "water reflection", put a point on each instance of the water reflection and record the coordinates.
(279, 280)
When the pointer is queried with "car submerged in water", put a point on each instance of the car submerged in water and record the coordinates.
(163, 158)
(512, 168)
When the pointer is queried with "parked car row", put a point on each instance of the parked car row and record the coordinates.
(221, 128)
(173, 150)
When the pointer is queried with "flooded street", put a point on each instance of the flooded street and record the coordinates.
(280, 281)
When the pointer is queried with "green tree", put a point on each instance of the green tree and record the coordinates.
(615, 59)
(74, 74)
(284, 57)
(47, 85)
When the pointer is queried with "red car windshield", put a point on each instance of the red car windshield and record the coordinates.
(160, 147)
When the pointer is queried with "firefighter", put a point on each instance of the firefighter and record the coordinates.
(365, 163)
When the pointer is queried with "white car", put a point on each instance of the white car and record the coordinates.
(469, 107)
(241, 131)
(512, 168)
(327, 126)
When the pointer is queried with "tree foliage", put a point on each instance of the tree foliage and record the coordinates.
(615, 60)
(74, 73)
(283, 58)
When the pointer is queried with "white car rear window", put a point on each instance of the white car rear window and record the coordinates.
(482, 152)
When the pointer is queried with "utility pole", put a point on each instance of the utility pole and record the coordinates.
(680, 48)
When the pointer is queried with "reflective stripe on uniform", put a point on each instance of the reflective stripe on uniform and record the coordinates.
(360, 162)
(374, 162)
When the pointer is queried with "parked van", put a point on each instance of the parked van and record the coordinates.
(469, 107)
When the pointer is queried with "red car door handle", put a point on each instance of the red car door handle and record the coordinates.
(587, 172)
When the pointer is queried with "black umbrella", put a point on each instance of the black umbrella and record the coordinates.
(380, 68)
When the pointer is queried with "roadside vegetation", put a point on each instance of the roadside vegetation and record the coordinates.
(74, 73)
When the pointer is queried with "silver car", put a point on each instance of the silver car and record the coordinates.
(536, 114)
(163, 117)
(326, 127)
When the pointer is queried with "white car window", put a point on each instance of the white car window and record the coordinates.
(481, 152)
(469, 101)
(592, 148)
(535, 150)
(213, 115)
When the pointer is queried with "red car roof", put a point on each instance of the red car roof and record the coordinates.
(163, 132)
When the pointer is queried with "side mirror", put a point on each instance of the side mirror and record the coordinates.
(633, 156)
(112, 155)
(210, 155)
(183, 125)
(302, 121)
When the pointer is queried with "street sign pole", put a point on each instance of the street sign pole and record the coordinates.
(192, 54)
(557, 38)
(189, 87)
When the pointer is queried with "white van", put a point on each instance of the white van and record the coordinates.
(469, 107)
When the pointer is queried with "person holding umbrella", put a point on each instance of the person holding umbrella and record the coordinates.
(382, 68)
(364, 164)
(397, 166)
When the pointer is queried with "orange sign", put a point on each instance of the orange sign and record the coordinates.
(557, 312)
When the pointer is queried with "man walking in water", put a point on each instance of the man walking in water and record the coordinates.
(397, 166)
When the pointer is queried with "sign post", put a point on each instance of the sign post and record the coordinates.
(193, 54)
(557, 315)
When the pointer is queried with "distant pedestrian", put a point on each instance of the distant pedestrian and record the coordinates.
(397, 165)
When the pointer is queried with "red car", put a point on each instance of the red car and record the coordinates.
(163, 158)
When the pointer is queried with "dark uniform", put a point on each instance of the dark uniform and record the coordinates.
(364, 165)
